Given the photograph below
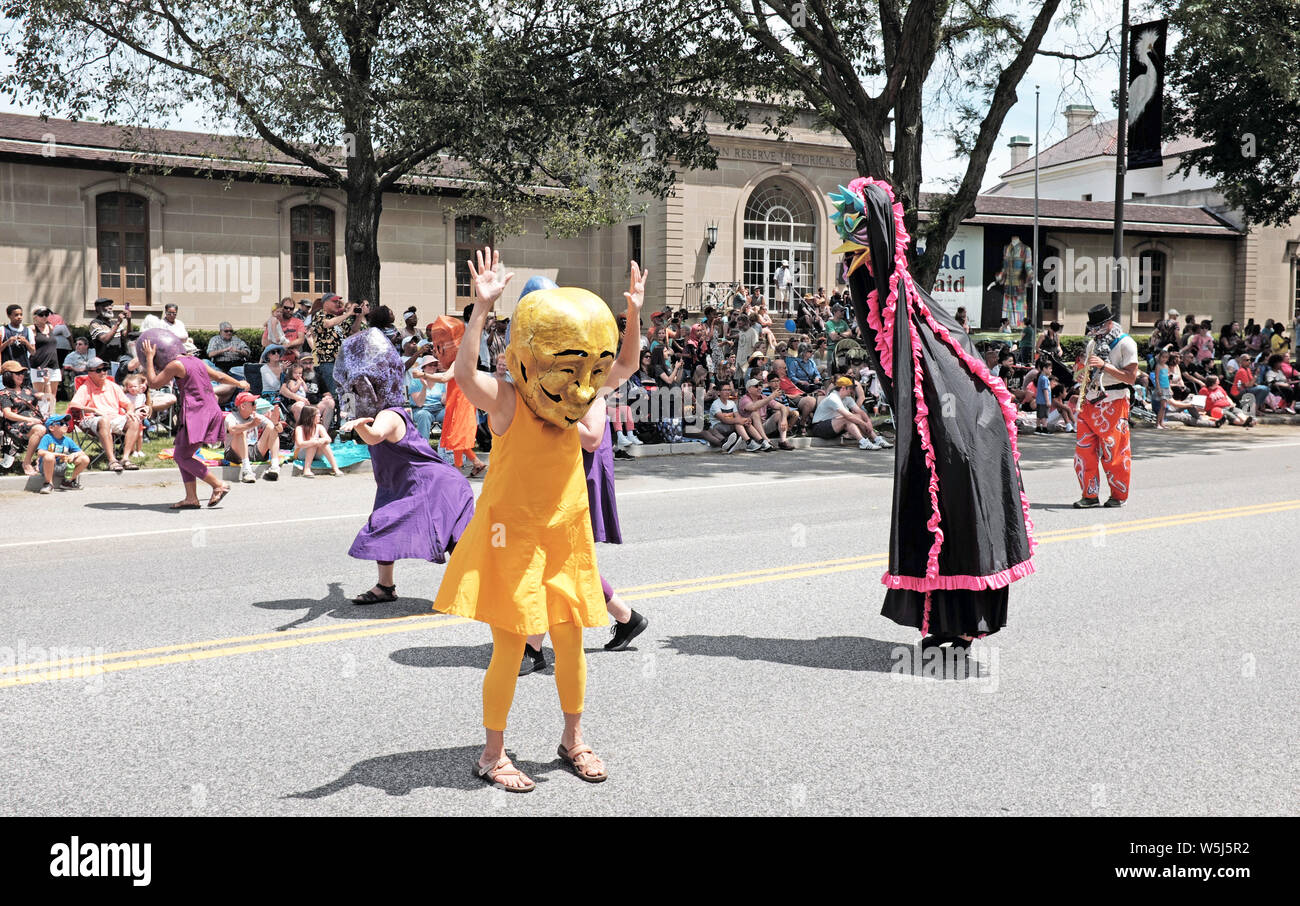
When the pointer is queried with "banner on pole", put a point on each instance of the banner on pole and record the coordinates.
(1146, 88)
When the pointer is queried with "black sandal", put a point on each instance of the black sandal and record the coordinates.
(389, 594)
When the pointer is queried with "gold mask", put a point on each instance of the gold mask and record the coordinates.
(562, 344)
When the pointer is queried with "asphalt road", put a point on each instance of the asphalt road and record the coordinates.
(210, 664)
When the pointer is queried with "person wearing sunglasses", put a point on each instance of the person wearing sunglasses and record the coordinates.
(226, 349)
(284, 327)
(108, 412)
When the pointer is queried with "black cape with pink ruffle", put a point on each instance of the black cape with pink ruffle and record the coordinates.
(960, 532)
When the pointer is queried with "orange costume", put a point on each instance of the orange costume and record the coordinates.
(1103, 441)
(459, 418)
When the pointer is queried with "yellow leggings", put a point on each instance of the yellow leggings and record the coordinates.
(503, 672)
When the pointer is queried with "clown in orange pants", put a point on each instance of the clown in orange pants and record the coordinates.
(1103, 439)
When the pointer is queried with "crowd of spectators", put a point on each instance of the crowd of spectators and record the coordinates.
(739, 377)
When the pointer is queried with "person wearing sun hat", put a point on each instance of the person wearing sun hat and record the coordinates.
(1103, 438)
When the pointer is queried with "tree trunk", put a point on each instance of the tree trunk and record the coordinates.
(361, 235)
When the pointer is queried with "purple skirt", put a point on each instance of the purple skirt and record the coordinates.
(422, 503)
(600, 490)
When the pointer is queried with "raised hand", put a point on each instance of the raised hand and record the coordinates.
(636, 290)
(488, 282)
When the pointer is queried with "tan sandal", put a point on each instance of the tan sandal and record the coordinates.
(504, 768)
(478, 470)
(578, 758)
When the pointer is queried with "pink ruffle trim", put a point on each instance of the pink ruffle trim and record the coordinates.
(954, 583)
(881, 319)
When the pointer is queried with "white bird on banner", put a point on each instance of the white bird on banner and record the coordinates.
(1143, 88)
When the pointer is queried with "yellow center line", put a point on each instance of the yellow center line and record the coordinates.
(279, 634)
(83, 671)
(46, 671)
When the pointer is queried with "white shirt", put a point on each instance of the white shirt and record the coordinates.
(1124, 354)
(783, 278)
(831, 405)
(719, 407)
(177, 327)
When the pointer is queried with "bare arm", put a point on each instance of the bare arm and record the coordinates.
(387, 425)
(629, 354)
(484, 391)
(591, 428)
(216, 374)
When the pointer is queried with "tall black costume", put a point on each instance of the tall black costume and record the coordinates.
(961, 531)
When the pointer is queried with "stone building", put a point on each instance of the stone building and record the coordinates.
(82, 217)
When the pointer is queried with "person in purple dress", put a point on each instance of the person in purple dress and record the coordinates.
(202, 421)
(597, 440)
(422, 502)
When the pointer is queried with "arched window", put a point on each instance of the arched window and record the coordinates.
(311, 238)
(1150, 280)
(122, 238)
(780, 226)
(471, 233)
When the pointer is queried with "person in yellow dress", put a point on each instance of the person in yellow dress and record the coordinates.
(526, 564)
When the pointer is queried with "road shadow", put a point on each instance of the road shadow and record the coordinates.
(446, 769)
(829, 653)
(339, 605)
(123, 505)
(445, 656)
(1051, 506)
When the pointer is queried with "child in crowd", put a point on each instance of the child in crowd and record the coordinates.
(310, 439)
(1043, 395)
(137, 394)
(1161, 388)
(56, 448)
(294, 389)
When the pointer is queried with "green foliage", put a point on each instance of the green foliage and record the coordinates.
(1236, 86)
(572, 110)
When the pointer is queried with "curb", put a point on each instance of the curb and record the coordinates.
(156, 477)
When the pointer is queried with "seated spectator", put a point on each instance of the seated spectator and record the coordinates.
(803, 371)
(1278, 344)
(107, 413)
(310, 439)
(1201, 343)
(792, 396)
(58, 449)
(23, 422)
(253, 430)
(837, 328)
(284, 328)
(1061, 415)
(756, 370)
(168, 322)
(226, 350)
(1193, 371)
(838, 413)
(314, 390)
(729, 424)
(76, 361)
(411, 326)
(293, 390)
(272, 364)
(766, 414)
(1279, 379)
(1219, 406)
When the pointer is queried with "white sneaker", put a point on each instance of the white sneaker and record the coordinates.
(6, 461)
(620, 440)
(754, 447)
(882, 444)
(247, 476)
(138, 454)
(766, 447)
(729, 445)
(272, 472)
(633, 439)
(866, 444)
